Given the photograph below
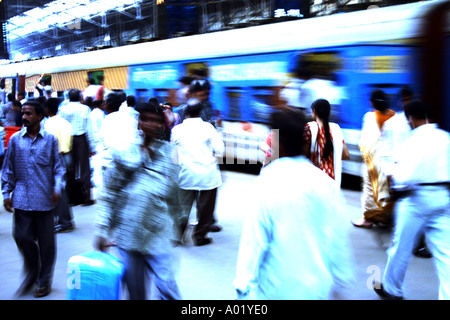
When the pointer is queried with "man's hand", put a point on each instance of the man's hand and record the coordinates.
(55, 197)
(7, 203)
(101, 244)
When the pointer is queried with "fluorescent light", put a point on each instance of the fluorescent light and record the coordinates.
(59, 13)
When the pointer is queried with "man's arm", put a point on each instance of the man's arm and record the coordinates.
(217, 142)
(90, 134)
(115, 179)
(58, 171)
(8, 176)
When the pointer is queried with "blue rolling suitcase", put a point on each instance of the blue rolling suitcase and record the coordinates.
(94, 275)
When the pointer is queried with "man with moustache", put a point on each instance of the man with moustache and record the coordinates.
(32, 179)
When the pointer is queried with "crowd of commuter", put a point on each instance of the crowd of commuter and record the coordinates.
(150, 161)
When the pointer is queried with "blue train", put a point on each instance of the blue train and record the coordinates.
(351, 54)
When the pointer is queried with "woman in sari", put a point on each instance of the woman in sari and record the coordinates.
(376, 204)
(325, 141)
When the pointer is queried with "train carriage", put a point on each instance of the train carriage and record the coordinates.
(385, 48)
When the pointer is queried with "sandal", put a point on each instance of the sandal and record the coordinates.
(362, 223)
(42, 291)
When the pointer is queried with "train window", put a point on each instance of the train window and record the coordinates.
(162, 95)
(197, 69)
(392, 92)
(322, 64)
(142, 95)
(235, 101)
(262, 102)
(96, 75)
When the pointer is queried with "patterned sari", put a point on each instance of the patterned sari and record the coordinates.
(376, 203)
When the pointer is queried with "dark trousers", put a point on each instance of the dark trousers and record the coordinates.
(35, 239)
(63, 212)
(143, 269)
(206, 202)
(81, 165)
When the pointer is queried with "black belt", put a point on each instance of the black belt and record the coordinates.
(435, 184)
(397, 193)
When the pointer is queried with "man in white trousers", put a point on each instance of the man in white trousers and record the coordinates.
(423, 173)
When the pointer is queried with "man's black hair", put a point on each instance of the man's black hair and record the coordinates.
(418, 110)
(291, 125)
(52, 104)
(131, 100)
(185, 80)
(113, 101)
(74, 95)
(38, 107)
(152, 107)
(17, 103)
(194, 110)
(97, 103)
(406, 91)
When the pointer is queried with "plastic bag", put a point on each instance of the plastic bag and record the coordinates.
(94, 275)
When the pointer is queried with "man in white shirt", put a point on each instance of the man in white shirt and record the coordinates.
(315, 88)
(97, 115)
(423, 170)
(294, 243)
(119, 133)
(128, 106)
(197, 145)
(77, 115)
(394, 133)
(91, 90)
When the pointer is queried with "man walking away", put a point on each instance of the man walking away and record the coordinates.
(78, 116)
(198, 144)
(423, 173)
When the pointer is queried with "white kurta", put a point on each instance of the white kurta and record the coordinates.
(197, 144)
(294, 243)
(424, 157)
(119, 137)
(394, 133)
